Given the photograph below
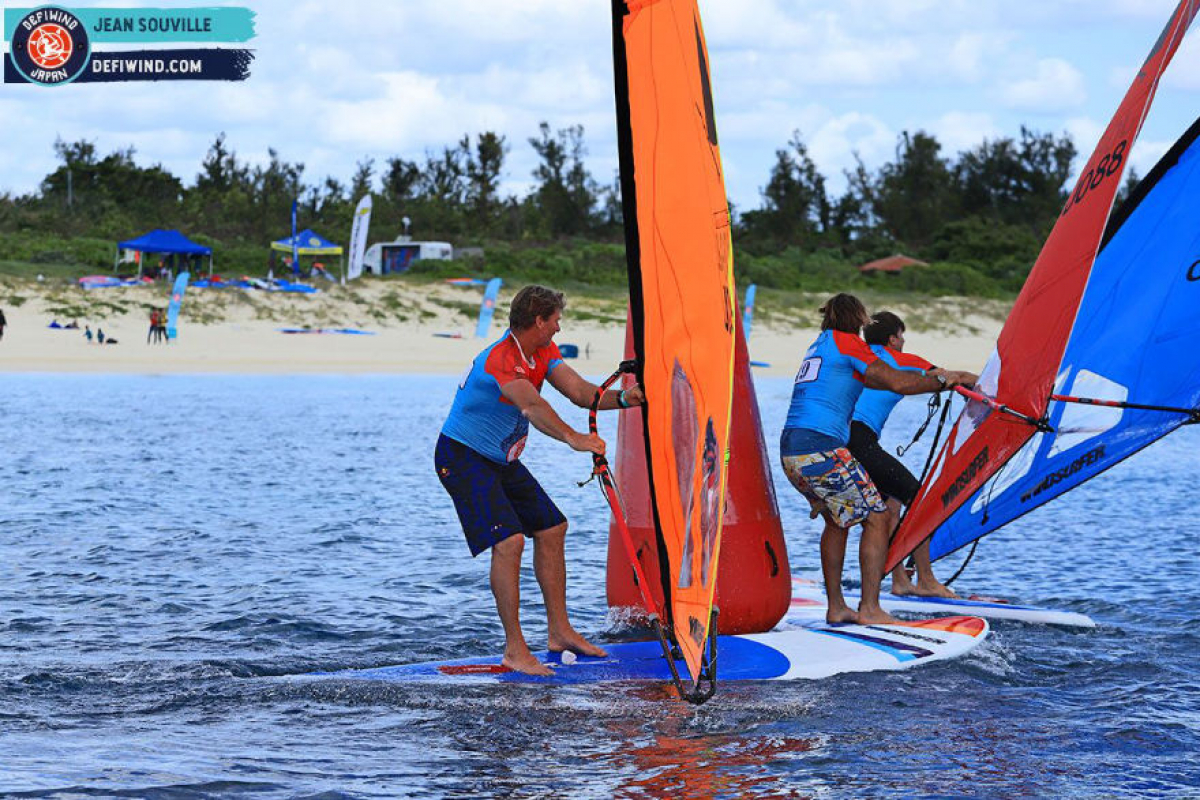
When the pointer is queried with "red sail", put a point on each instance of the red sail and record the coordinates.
(1022, 371)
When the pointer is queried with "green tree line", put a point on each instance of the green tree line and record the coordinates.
(978, 217)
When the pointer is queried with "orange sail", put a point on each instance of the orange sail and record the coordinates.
(681, 289)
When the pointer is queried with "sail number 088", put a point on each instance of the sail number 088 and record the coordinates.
(1109, 165)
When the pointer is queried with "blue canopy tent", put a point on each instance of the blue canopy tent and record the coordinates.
(307, 243)
(163, 241)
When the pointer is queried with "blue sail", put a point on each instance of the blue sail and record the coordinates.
(488, 308)
(180, 287)
(1132, 342)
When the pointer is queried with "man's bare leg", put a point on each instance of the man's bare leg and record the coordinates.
(833, 554)
(506, 587)
(927, 583)
(872, 555)
(901, 582)
(550, 567)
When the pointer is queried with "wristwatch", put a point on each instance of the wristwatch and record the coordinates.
(941, 380)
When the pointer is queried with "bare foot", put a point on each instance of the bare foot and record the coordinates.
(935, 589)
(875, 616)
(843, 614)
(570, 640)
(526, 662)
(902, 582)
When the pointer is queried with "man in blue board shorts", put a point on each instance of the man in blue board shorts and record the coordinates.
(818, 463)
(885, 336)
(498, 501)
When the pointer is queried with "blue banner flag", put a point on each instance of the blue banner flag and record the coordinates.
(488, 307)
(748, 311)
(180, 287)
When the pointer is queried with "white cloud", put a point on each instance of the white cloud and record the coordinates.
(1146, 153)
(834, 144)
(1056, 86)
(1184, 71)
(1147, 9)
(966, 56)
(962, 130)
(334, 83)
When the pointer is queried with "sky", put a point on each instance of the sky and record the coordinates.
(336, 83)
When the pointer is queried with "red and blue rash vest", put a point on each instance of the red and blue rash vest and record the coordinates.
(829, 383)
(484, 419)
(873, 408)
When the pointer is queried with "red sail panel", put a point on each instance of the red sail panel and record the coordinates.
(1029, 352)
(681, 290)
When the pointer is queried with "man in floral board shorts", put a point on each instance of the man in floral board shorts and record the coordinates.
(813, 449)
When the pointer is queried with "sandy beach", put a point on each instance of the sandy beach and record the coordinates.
(238, 331)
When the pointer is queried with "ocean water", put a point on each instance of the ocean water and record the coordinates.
(172, 549)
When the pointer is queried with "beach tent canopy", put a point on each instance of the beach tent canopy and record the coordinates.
(164, 241)
(161, 241)
(893, 264)
(308, 244)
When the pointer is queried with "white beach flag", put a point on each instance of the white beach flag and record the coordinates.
(358, 238)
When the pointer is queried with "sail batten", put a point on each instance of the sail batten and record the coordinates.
(1030, 355)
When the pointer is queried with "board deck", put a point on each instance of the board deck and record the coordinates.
(807, 649)
(808, 602)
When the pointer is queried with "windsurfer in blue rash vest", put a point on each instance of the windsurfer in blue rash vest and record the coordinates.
(885, 336)
(496, 497)
(817, 462)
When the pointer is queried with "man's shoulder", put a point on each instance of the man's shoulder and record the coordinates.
(850, 344)
(498, 351)
(909, 360)
(505, 361)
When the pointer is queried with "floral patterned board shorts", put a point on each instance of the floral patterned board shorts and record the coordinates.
(834, 478)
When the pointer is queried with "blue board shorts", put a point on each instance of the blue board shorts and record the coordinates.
(834, 478)
(493, 501)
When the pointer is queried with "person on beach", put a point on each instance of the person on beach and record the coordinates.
(813, 449)
(885, 336)
(499, 503)
(3, 323)
(87, 333)
(152, 335)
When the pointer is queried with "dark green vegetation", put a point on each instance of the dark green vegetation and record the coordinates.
(978, 217)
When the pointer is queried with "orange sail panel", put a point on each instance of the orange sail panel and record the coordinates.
(1022, 371)
(681, 290)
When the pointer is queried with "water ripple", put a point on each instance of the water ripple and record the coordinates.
(180, 549)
